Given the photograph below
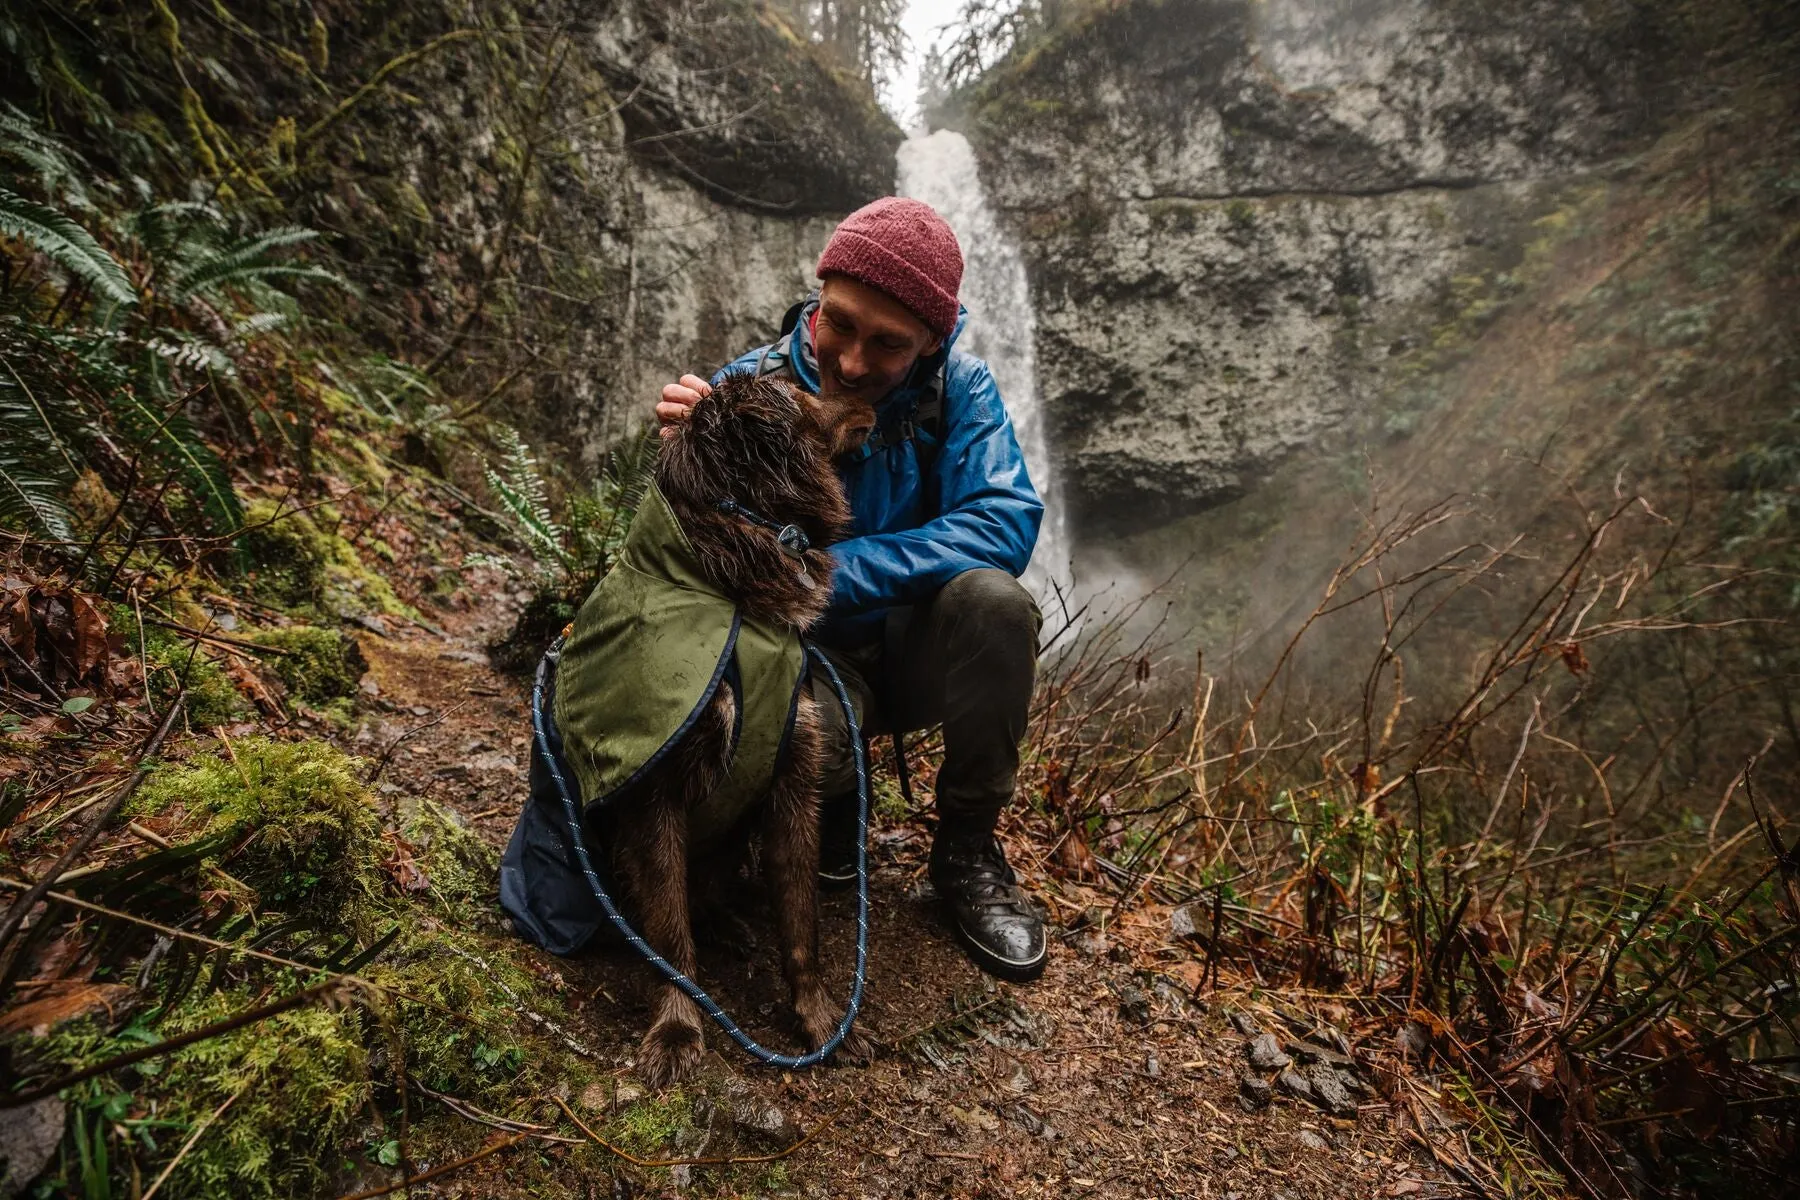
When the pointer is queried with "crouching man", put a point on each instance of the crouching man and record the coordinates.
(928, 623)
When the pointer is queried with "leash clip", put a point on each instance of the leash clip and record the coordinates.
(793, 542)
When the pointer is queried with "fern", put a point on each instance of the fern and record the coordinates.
(30, 497)
(65, 243)
(519, 487)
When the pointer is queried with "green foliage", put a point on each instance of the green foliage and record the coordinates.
(54, 235)
(519, 487)
(321, 665)
(572, 553)
(104, 372)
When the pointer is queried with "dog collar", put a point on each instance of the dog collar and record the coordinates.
(791, 538)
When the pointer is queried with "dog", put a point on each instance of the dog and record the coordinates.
(755, 456)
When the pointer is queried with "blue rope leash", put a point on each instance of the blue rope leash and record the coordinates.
(692, 989)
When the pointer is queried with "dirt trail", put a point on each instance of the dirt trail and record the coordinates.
(1101, 1079)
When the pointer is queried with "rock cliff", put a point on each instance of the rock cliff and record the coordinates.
(549, 207)
(1239, 215)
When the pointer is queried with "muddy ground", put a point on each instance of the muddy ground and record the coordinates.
(1112, 1076)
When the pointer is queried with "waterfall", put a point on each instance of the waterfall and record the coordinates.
(939, 168)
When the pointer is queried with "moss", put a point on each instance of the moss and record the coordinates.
(293, 821)
(460, 867)
(172, 663)
(652, 1122)
(320, 666)
(297, 565)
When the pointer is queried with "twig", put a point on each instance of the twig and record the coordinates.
(219, 638)
(192, 1138)
(249, 1017)
(458, 1165)
(388, 754)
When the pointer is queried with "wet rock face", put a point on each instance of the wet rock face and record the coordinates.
(1231, 210)
(577, 212)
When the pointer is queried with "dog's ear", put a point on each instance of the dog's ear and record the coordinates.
(842, 422)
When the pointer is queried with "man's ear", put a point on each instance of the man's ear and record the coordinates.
(937, 344)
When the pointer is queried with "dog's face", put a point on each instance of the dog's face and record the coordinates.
(843, 421)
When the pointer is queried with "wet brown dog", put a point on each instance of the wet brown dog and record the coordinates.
(768, 446)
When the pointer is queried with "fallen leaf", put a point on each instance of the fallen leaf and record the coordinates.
(61, 1001)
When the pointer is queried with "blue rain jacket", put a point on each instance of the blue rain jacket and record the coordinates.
(923, 512)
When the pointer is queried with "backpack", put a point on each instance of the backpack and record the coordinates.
(923, 421)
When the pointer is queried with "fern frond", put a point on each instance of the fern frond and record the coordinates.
(206, 267)
(65, 243)
(22, 140)
(34, 482)
(519, 487)
(178, 445)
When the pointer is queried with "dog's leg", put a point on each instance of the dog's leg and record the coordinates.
(792, 843)
(654, 860)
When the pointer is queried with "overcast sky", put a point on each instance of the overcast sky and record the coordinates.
(923, 19)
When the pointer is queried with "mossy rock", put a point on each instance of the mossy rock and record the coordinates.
(297, 565)
(320, 665)
(297, 823)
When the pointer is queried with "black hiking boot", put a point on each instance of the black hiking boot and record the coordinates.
(837, 842)
(998, 926)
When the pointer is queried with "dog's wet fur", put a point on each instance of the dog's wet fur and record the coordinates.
(769, 446)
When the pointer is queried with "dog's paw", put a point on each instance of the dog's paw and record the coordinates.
(670, 1054)
(855, 1051)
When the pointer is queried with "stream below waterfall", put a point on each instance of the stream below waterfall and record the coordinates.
(939, 168)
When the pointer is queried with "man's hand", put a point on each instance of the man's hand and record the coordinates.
(677, 399)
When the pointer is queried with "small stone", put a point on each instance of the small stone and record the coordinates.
(1181, 922)
(1254, 1093)
(28, 1141)
(1313, 1141)
(419, 710)
(1170, 994)
(1152, 1065)
(1265, 1054)
(1294, 1084)
(1134, 1004)
(1244, 1023)
(1312, 1052)
(1328, 1093)
(1412, 1040)
(368, 687)
(764, 1120)
(1030, 1122)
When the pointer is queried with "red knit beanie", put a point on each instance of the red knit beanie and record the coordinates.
(903, 248)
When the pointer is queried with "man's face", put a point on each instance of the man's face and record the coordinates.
(866, 340)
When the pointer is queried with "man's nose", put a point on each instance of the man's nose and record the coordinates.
(850, 363)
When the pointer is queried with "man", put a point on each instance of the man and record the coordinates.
(928, 622)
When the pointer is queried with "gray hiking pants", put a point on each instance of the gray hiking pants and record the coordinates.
(966, 659)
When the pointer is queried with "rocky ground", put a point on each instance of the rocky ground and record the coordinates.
(1112, 1076)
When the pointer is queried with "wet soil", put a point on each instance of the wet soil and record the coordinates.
(1106, 1078)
